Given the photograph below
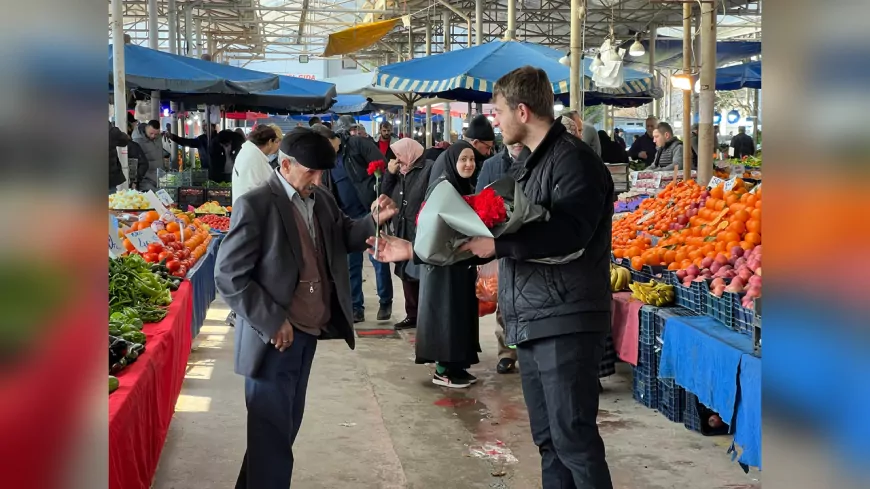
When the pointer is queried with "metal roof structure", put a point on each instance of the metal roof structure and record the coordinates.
(253, 30)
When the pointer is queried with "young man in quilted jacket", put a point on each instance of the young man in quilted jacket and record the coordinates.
(557, 313)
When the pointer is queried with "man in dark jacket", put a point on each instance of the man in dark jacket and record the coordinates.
(644, 147)
(742, 143)
(557, 312)
(222, 152)
(669, 151)
(494, 169)
(482, 138)
(147, 136)
(355, 191)
(117, 139)
(200, 143)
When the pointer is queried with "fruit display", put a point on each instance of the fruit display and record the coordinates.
(211, 208)
(128, 200)
(653, 293)
(213, 184)
(183, 241)
(620, 278)
(219, 223)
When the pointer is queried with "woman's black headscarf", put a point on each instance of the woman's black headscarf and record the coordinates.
(446, 166)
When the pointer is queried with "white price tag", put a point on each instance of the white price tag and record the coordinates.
(142, 238)
(646, 217)
(164, 197)
(155, 202)
(714, 182)
(116, 244)
(731, 152)
(729, 185)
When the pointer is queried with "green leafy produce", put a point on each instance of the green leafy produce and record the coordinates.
(134, 337)
(113, 384)
(136, 292)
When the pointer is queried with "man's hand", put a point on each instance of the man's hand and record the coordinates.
(642, 155)
(482, 247)
(284, 337)
(387, 209)
(393, 166)
(391, 249)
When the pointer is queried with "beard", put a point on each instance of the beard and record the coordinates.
(514, 135)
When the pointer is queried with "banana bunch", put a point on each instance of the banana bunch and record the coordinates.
(620, 277)
(653, 293)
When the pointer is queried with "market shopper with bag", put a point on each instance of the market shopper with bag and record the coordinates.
(282, 269)
(405, 182)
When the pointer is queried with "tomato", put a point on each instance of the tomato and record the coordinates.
(165, 255)
(186, 253)
(167, 238)
(173, 265)
(181, 272)
(177, 246)
(150, 257)
(155, 248)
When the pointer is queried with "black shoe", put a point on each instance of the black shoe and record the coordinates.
(464, 375)
(448, 379)
(385, 312)
(405, 324)
(359, 316)
(505, 366)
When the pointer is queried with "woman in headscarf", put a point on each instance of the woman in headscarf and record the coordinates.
(611, 151)
(405, 182)
(570, 125)
(447, 324)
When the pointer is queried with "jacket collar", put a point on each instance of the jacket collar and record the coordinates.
(555, 132)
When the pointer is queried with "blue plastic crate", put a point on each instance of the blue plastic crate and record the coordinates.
(689, 297)
(647, 357)
(691, 420)
(646, 334)
(645, 388)
(720, 308)
(662, 315)
(672, 400)
(647, 273)
(744, 318)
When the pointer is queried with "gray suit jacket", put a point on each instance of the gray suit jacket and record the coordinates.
(258, 266)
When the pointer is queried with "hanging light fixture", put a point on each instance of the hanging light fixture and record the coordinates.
(683, 81)
(565, 60)
(596, 63)
(636, 48)
(559, 107)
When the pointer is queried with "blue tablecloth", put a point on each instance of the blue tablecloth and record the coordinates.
(202, 279)
(707, 359)
(747, 432)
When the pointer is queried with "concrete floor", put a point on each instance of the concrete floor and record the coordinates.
(374, 420)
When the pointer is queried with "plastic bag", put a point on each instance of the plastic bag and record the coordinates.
(485, 308)
(487, 282)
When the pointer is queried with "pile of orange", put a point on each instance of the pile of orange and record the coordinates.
(728, 219)
(196, 235)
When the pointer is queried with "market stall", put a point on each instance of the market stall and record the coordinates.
(141, 408)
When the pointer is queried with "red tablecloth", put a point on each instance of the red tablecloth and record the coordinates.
(142, 407)
(626, 326)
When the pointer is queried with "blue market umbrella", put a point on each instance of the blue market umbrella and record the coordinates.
(470, 74)
(747, 75)
(148, 69)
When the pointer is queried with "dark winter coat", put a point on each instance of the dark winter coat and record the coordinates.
(447, 323)
(217, 154)
(644, 143)
(538, 300)
(357, 152)
(743, 145)
(117, 139)
(494, 168)
(408, 192)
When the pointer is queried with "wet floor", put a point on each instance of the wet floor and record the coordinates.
(374, 420)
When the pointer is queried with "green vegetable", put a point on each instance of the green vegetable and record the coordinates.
(134, 337)
(137, 294)
(113, 384)
(114, 331)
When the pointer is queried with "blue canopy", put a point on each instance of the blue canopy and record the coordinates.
(747, 75)
(669, 52)
(470, 74)
(147, 69)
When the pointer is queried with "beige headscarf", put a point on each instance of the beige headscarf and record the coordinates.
(407, 151)
(570, 125)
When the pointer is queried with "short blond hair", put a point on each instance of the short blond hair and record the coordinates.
(277, 130)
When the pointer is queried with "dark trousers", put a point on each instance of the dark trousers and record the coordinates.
(560, 385)
(411, 289)
(276, 402)
(382, 276)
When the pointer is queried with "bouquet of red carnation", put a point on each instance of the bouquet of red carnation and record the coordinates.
(447, 220)
(377, 168)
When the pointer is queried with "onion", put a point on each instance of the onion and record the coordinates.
(737, 251)
(687, 282)
(706, 262)
(717, 282)
(740, 262)
(753, 291)
(745, 274)
(753, 264)
(715, 266)
(718, 290)
(706, 273)
(681, 275)
(721, 259)
(735, 286)
(693, 270)
(755, 280)
(705, 194)
(682, 220)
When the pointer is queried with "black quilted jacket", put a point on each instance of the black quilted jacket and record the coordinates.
(538, 300)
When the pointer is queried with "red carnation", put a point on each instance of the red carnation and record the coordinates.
(489, 207)
(376, 168)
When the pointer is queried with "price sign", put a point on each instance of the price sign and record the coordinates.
(714, 182)
(142, 238)
(164, 197)
(729, 185)
(116, 244)
(155, 202)
(731, 152)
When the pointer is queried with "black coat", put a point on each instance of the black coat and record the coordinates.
(357, 152)
(539, 300)
(448, 327)
(408, 192)
(217, 155)
(117, 139)
(743, 145)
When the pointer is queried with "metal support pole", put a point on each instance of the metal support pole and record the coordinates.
(687, 94)
(511, 32)
(188, 30)
(172, 20)
(120, 93)
(576, 57)
(410, 42)
(755, 112)
(478, 22)
(447, 31)
(198, 27)
(154, 43)
(429, 135)
(708, 91)
(653, 36)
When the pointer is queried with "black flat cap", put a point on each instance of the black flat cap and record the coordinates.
(309, 148)
(480, 128)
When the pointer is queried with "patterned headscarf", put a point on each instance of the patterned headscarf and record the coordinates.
(407, 151)
(570, 125)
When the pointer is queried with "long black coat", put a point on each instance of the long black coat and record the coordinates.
(408, 192)
(448, 327)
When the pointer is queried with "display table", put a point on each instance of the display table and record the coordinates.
(706, 358)
(142, 407)
(202, 279)
(625, 326)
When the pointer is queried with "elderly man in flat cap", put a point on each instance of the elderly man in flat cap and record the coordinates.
(283, 269)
